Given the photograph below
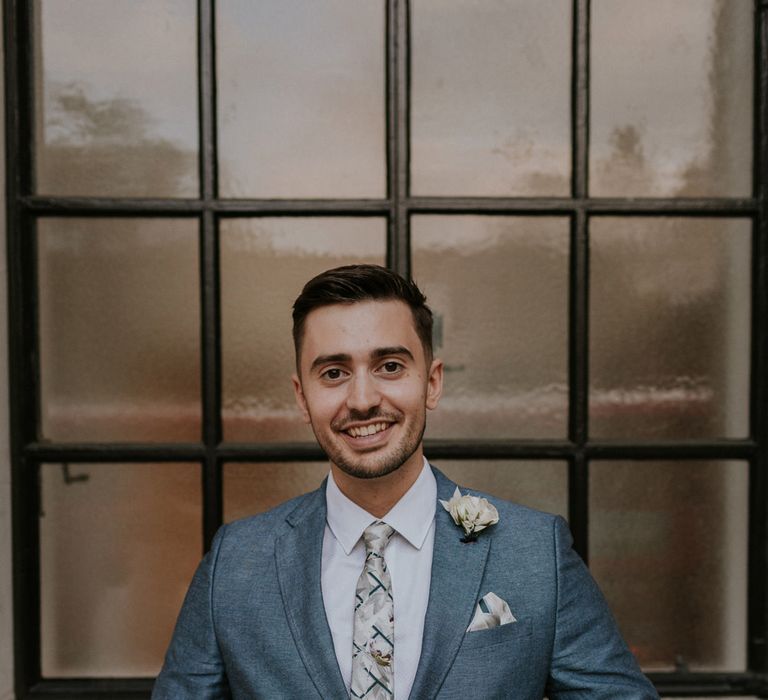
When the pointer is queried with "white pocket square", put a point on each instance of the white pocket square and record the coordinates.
(491, 611)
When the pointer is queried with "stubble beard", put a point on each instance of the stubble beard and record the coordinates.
(386, 464)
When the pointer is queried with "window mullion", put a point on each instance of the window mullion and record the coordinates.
(398, 86)
(757, 648)
(209, 272)
(578, 351)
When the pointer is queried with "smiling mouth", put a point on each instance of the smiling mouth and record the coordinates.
(367, 430)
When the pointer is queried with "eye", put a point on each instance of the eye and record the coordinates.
(332, 374)
(391, 367)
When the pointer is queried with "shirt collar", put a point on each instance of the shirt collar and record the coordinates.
(411, 516)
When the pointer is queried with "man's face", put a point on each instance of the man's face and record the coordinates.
(364, 385)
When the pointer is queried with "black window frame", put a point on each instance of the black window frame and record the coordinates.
(28, 451)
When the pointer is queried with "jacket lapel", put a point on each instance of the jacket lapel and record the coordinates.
(298, 554)
(457, 571)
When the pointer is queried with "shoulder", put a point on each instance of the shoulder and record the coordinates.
(528, 528)
(519, 528)
(261, 530)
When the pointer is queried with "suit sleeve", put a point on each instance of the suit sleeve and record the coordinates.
(193, 666)
(589, 658)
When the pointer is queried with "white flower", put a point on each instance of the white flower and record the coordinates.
(471, 513)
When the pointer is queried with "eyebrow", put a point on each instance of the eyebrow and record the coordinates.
(393, 350)
(325, 359)
(375, 354)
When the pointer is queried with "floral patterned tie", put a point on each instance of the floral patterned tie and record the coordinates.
(373, 641)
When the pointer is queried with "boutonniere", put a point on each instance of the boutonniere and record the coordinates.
(471, 513)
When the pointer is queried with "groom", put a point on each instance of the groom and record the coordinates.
(369, 587)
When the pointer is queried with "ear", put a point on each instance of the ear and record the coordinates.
(301, 400)
(434, 384)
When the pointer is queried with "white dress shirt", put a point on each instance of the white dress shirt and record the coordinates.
(409, 560)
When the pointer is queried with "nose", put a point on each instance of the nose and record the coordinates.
(363, 393)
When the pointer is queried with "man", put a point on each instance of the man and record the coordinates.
(368, 587)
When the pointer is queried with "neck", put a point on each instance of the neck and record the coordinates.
(379, 495)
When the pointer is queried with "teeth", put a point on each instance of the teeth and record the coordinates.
(366, 430)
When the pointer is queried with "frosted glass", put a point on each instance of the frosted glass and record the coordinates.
(119, 329)
(255, 488)
(118, 546)
(671, 98)
(117, 98)
(540, 484)
(668, 546)
(499, 289)
(264, 265)
(490, 97)
(669, 327)
(301, 98)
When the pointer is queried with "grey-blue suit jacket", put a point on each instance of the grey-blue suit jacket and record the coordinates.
(253, 623)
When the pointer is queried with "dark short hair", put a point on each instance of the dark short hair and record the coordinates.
(352, 283)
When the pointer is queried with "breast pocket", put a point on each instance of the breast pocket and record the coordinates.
(503, 662)
(482, 639)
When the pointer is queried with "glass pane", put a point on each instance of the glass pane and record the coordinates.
(254, 488)
(668, 546)
(119, 329)
(264, 265)
(499, 288)
(117, 98)
(118, 546)
(301, 98)
(537, 484)
(490, 97)
(671, 100)
(669, 327)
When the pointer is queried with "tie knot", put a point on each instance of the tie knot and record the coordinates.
(376, 537)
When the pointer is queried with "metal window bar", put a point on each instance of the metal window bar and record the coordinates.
(23, 207)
